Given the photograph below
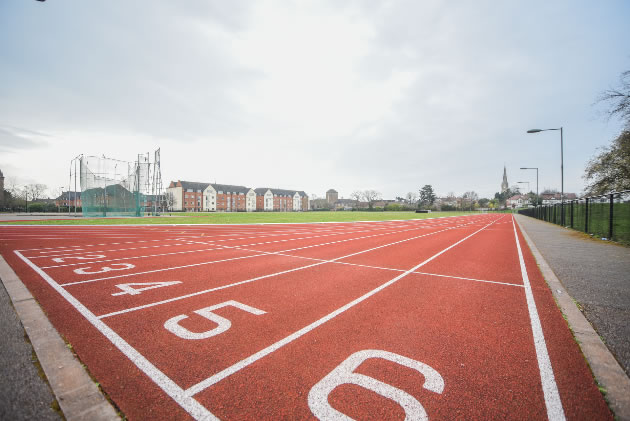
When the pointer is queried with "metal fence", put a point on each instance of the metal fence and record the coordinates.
(606, 216)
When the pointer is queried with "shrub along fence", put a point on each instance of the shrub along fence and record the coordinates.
(606, 216)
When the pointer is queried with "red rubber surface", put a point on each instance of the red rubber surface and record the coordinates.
(327, 292)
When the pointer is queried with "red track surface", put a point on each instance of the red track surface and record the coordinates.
(428, 318)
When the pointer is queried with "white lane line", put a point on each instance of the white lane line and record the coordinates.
(162, 270)
(555, 412)
(57, 249)
(380, 267)
(225, 260)
(189, 404)
(206, 291)
(86, 262)
(104, 251)
(214, 379)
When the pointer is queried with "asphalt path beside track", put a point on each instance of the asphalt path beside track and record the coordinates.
(596, 274)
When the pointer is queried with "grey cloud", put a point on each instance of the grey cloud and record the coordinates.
(145, 69)
(13, 138)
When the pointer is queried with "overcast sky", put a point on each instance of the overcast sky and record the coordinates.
(350, 95)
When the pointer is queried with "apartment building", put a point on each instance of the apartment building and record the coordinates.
(211, 197)
(281, 200)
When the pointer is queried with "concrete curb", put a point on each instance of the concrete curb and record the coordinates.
(607, 371)
(78, 396)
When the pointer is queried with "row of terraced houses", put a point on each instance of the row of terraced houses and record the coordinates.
(211, 197)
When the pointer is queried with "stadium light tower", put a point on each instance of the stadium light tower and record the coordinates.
(561, 168)
(533, 168)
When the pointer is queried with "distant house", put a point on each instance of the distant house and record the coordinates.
(187, 195)
(229, 198)
(553, 198)
(282, 200)
(67, 198)
(517, 201)
(346, 204)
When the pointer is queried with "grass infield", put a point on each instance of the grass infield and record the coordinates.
(243, 218)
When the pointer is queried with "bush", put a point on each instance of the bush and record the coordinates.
(35, 207)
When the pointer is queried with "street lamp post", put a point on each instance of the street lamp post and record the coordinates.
(533, 168)
(561, 168)
(524, 182)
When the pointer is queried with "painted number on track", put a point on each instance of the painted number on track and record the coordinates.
(344, 374)
(172, 324)
(86, 257)
(129, 288)
(86, 271)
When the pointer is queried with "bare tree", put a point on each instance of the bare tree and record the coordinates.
(470, 197)
(35, 191)
(169, 200)
(13, 187)
(412, 198)
(356, 196)
(619, 99)
(371, 196)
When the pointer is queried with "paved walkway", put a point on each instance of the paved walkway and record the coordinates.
(24, 395)
(596, 274)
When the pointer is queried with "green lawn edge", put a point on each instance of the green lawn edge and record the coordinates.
(243, 218)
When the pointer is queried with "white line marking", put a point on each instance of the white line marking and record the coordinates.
(217, 247)
(555, 412)
(204, 384)
(258, 255)
(258, 277)
(190, 405)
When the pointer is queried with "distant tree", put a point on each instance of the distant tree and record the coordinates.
(35, 191)
(483, 202)
(619, 99)
(469, 199)
(169, 200)
(610, 170)
(371, 196)
(411, 198)
(548, 190)
(501, 197)
(356, 196)
(427, 196)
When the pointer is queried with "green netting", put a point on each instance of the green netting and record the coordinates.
(111, 187)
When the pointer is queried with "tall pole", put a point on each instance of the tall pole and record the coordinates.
(69, 188)
(562, 176)
(536, 186)
(75, 187)
(533, 168)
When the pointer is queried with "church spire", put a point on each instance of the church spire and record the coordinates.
(504, 184)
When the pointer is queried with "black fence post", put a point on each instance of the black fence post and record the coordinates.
(572, 214)
(586, 216)
(610, 222)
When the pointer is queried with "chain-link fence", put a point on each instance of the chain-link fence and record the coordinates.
(606, 216)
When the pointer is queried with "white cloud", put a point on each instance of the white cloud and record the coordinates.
(311, 95)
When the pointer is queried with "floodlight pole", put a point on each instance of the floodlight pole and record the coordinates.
(73, 161)
(561, 168)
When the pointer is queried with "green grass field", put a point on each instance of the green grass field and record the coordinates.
(245, 218)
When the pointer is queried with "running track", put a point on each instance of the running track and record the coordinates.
(443, 318)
